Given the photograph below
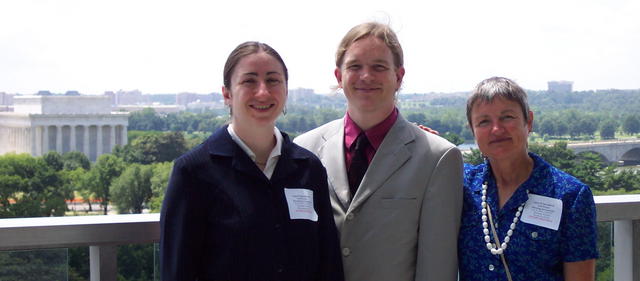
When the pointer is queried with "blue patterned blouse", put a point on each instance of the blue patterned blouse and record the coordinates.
(534, 252)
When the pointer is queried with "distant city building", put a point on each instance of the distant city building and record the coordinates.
(128, 97)
(159, 108)
(6, 102)
(6, 99)
(560, 86)
(40, 124)
(187, 98)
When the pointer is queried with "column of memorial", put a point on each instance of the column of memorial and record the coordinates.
(59, 139)
(112, 138)
(99, 141)
(72, 138)
(124, 135)
(37, 140)
(85, 142)
(45, 140)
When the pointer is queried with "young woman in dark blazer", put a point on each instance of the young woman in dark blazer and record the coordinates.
(248, 204)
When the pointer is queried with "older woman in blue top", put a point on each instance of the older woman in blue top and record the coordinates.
(522, 219)
(249, 204)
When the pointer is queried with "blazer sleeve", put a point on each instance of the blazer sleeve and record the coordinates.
(437, 258)
(330, 258)
(181, 227)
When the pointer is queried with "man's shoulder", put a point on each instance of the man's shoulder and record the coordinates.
(311, 139)
(429, 140)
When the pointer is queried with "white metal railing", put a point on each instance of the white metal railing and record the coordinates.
(104, 233)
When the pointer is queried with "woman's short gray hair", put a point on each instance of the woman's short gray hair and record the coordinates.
(498, 87)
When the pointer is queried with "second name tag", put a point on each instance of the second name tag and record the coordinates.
(300, 202)
(542, 211)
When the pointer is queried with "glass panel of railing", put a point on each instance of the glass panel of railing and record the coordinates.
(136, 261)
(34, 265)
(156, 262)
(604, 264)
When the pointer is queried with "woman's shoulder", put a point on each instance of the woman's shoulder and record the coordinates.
(471, 170)
(565, 186)
(471, 173)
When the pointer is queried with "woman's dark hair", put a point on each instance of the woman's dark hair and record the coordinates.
(245, 49)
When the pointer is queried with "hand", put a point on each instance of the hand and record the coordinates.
(427, 129)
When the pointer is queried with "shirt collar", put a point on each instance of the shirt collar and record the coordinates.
(375, 134)
(533, 184)
(272, 160)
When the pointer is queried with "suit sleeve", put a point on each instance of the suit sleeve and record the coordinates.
(437, 257)
(330, 259)
(181, 227)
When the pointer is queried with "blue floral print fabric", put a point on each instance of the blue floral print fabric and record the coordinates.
(534, 252)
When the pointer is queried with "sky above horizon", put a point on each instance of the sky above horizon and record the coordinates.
(180, 46)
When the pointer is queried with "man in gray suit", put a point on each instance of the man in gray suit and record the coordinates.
(399, 221)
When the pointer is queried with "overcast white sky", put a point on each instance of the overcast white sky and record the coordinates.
(176, 46)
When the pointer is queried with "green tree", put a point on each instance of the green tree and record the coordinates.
(74, 182)
(75, 159)
(474, 157)
(132, 189)
(587, 168)
(154, 148)
(453, 138)
(417, 118)
(146, 120)
(557, 154)
(631, 124)
(159, 182)
(29, 187)
(547, 127)
(613, 179)
(107, 168)
(608, 129)
(562, 128)
(53, 160)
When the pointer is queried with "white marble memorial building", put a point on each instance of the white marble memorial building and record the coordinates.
(62, 123)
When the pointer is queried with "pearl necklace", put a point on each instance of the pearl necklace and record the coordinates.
(485, 225)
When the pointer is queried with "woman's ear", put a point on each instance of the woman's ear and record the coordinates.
(530, 121)
(226, 94)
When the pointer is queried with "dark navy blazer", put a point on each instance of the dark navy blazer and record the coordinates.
(223, 219)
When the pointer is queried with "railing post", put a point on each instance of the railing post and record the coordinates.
(626, 255)
(636, 250)
(103, 262)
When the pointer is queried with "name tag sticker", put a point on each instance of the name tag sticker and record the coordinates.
(300, 201)
(542, 211)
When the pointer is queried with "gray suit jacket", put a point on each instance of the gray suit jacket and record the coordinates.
(403, 222)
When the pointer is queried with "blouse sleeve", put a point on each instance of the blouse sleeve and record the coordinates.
(580, 231)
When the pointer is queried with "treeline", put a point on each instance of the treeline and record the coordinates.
(295, 121)
(132, 179)
(603, 114)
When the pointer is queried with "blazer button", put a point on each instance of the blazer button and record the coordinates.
(350, 216)
(346, 251)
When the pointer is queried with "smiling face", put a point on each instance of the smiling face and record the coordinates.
(257, 92)
(368, 76)
(500, 128)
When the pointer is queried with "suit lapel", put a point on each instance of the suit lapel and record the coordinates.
(389, 157)
(332, 156)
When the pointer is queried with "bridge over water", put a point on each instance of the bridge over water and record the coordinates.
(611, 151)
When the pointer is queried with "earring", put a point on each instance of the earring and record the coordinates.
(284, 110)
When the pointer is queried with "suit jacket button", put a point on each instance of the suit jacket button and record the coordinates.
(346, 251)
(350, 216)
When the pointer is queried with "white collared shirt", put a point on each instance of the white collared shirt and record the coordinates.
(272, 160)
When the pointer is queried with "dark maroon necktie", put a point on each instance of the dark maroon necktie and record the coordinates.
(359, 163)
